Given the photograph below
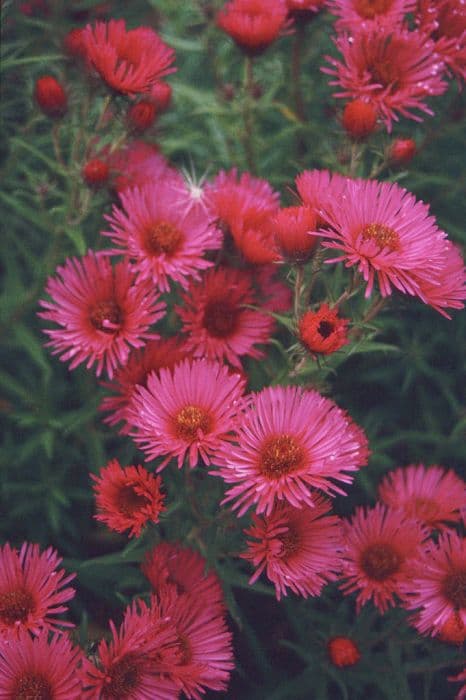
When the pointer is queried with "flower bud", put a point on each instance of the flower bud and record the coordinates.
(95, 173)
(402, 151)
(50, 96)
(343, 651)
(141, 115)
(359, 119)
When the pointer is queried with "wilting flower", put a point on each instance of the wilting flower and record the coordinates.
(288, 443)
(101, 311)
(356, 14)
(190, 411)
(185, 569)
(205, 656)
(432, 495)
(129, 61)
(160, 236)
(253, 24)
(436, 588)
(32, 590)
(297, 547)
(135, 662)
(217, 321)
(39, 667)
(156, 354)
(127, 497)
(394, 69)
(378, 544)
(323, 331)
(388, 235)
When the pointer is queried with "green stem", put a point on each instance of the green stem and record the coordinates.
(298, 289)
(248, 119)
(298, 43)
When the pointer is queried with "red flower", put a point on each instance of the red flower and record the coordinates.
(432, 495)
(323, 331)
(130, 62)
(95, 172)
(378, 545)
(289, 443)
(453, 630)
(436, 588)
(291, 227)
(215, 317)
(39, 667)
(135, 662)
(446, 289)
(393, 69)
(343, 651)
(445, 21)
(166, 352)
(51, 97)
(73, 43)
(142, 115)
(298, 548)
(32, 590)
(253, 24)
(138, 163)
(185, 569)
(161, 93)
(127, 497)
(402, 151)
(101, 310)
(359, 119)
(187, 413)
(354, 14)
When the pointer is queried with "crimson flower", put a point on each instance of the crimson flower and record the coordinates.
(323, 331)
(253, 24)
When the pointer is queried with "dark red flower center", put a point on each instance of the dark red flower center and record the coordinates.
(123, 678)
(384, 236)
(291, 542)
(163, 237)
(454, 588)
(380, 561)
(325, 328)
(32, 686)
(385, 69)
(106, 316)
(280, 456)
(129, 502)
(16, 605)
(221, 318)
(371, 8)
(184, 646)
(190, 420)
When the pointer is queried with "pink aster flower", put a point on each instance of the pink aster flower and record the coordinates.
(129, 61)
(138, 163)
(320, 190)
(356, 14)
(432, 495)
(135, 662)
(39, 667)
(189, 411)
(461, 677)
(185, 569)
(32, 590)
(297, 547)
(289, 442)
(253, 24)
(394, 69)
(388, 235)
(205, 655)
(436, 588)
(156, 354)
(127, 497)
(101, 311)
(378, 544)
(447, 289)
(161, 237)
(216, 320)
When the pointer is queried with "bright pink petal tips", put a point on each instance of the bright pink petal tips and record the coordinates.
(32, 590)
(298, 548)
(101, 310)
(189, 412)
(129, 61)
(290, 442)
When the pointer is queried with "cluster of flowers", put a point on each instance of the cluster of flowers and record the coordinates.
(177, 643)
(282, 451)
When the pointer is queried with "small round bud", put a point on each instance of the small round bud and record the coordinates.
(343, 651)
(402, 150)
(50, 96)
(95, 173)
(142, 115)
(161, 95)
(359, 119)
(73, 43)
